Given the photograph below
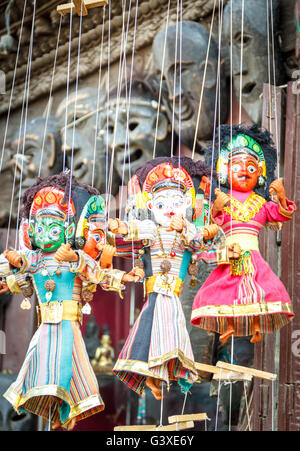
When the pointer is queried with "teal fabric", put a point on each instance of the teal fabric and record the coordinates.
(64, 286)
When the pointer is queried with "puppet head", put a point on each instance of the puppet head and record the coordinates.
(164, 187)
(50, 206)
(91, 226)
(245, 158)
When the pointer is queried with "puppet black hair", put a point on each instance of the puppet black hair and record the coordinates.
(61, 181)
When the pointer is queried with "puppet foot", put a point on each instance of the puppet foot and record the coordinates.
(72, 424)
(153, 384)
(56, 425)
(227, 334)
(256, 337)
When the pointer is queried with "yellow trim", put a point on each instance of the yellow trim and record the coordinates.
(13, 285)
(144, 368)
(285, 213)
(242, 309)
(246, 241)
(150, 282)
(71, 310)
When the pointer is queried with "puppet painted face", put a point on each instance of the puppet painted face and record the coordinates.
(167, 203)
(51, 220)
(183, 78)
(94, 235)
(243, 172)
(49, 233)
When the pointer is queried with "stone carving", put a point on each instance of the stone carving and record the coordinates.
(88, 156)
(183, 76)
(256, 51)
(151, 15)
(128, 125)
(37, 153)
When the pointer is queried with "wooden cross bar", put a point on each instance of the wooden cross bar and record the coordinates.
(245, 370)
(80, 6)
(136, 427)
(188, 417)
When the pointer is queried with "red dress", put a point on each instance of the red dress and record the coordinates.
(246, 287)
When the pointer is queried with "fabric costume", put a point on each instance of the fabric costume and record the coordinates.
(158, 344)
(56, 363)
(246, 287)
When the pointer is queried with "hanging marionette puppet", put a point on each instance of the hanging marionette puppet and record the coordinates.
(56, 380)
(91, 238)
(158, 347)
(243, 296)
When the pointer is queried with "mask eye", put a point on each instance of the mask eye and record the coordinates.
(40, 229)
(159, 205)
(55, 231)
(235, 167)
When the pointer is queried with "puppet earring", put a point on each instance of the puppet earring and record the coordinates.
(222, 179)
(261, 180)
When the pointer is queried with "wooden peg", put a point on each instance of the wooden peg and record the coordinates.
(245, 370)
(188, 417)
(75, 5)
(136, 427)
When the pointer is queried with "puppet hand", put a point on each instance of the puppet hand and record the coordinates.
(117, 227)
(108, 252)
(177, 223)
(276, 187)
(14, 258)
(3, 287)
(221, 200)
(210, 231)
(234, 250)
(66, 254)
(135, 275)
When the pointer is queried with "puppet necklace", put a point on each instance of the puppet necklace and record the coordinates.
(166, 265)
(50, 284)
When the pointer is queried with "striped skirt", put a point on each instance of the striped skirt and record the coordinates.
(56, 380)
(158, 346)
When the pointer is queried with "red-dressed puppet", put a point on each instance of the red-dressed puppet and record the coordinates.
(244, 297)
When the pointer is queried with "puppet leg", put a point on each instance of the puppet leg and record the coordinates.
(229, 331)
(256, 337)
(153, 384)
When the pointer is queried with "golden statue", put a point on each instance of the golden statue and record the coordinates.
(103, 360)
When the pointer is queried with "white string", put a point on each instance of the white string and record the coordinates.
(273, 424)
(50, 96)
(98, 96)
(75, 108)
(241, 61)
(184, 402)
(274, 84)
(17, 156)
(12, 86)
(161, 77)
(247, 407)
(107, 111)
(203, 82)
(218, 400)
(119, 84)
(174, 83)
(67, 96)
(161, 403)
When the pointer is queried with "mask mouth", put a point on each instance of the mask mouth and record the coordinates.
(182, 109)
(248, 88)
